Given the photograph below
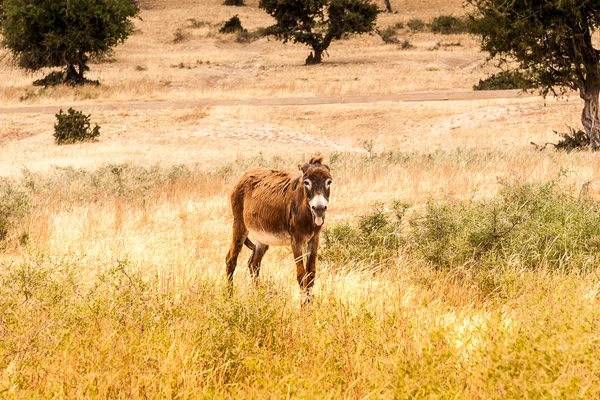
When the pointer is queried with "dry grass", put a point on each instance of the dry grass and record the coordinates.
(119, 292)
(215, 66)
(111, 285)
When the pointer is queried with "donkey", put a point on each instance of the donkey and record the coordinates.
(277, 208)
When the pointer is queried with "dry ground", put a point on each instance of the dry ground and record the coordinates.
(147, 67)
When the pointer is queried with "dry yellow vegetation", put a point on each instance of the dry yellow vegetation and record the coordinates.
(112, 279)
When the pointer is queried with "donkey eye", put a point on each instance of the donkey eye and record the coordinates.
(306, 183)
(329, 182)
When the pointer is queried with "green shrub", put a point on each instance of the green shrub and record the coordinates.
(405, 45)
(74, 127)
(416, 25)
(178, 35)
(532, 226)
(505, 80)
(572, 140)
(245, 36)
(448, 24)
(14, 204)
(388, 35)
(375, 239)
(194, 23)
(233, 25)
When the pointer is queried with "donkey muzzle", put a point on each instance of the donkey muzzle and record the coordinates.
(318, 206)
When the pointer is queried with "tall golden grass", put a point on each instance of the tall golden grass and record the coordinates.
(113, 286)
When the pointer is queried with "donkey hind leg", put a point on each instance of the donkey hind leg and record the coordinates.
(256, 258)
(249, 244)
(240, 232)
(239, 235)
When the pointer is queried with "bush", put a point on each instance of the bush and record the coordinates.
(388, 35)
(506, 80)
(178, 36)
(194, 23)
(237, 3)
(14, 204)
(448, 24)
(245, 36)
(74, 127)
(232, 25)
(416, 25)
(405, 45)
(531, 226)
(573, 140)
(376, 238)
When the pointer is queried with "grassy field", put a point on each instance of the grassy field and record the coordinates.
(458, 261)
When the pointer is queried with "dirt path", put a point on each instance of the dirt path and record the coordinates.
(285, 101)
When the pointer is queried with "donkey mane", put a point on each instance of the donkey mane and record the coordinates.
(316, 161)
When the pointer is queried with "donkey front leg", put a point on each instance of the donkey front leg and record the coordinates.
(255, 259)
(297, 251)
(311, 264)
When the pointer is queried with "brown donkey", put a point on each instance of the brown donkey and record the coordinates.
(277, 208)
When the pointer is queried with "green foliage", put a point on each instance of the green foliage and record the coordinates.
(388, 35)
(245, 36)
(237, 3)
(178, 35)
(405, 45)
(448, 24)
(14, 203)
(506, 80)
(532, 226)
(232, 25)
(416, 25)
(376, 239)
(552, 41)
(550, 38)
(317, 23)
(572, 140)
(74, 127)
(64, 33)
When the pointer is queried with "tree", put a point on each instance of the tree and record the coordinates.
(388, 6)
(317, 23)
(551, 40)
(64, 33)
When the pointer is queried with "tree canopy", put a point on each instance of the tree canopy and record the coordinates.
(64, 33)
(317, 23)
(551, 40)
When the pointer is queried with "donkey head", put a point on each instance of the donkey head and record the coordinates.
(317, 187)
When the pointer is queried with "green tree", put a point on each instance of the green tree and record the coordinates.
(317, 23)
(64, 33)
(551, 40)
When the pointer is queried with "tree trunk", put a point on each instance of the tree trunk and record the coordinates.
(315, 57)
(388, 6)
(71, 77)
(589, 117)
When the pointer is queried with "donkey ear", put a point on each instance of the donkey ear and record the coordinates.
(304, 167)
(316, 160)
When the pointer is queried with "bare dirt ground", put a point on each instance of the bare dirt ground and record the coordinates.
(208, 99)
(286, 101)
